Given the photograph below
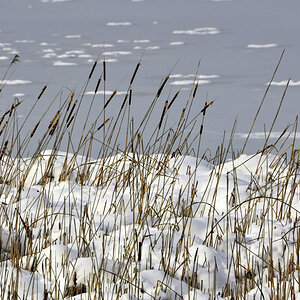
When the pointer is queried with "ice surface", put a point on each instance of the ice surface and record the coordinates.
(55, 1)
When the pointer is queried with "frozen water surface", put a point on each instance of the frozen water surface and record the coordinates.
(241, 41)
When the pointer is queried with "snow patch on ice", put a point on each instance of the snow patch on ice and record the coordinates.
(284, 83)
(109, 60)
(152, 48)
(141, 41)
(198, 31)
(24, 41)
(189, 82)
(60, 63)
(176, 43)
(259, 46)
(73, 36)
(84, 56)
(49, 55)
(200, 76)
(106, 93)
(118, 24)
(199, 79)
(116, 53)
(15, 82)
(263, 135)
(102, 45)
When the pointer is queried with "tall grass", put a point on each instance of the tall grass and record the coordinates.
(140, 177)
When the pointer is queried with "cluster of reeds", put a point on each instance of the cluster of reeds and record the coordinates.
(137, 183)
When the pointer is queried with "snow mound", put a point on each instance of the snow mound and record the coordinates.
(160, 225)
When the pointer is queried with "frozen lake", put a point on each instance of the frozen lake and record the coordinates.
(238, 42)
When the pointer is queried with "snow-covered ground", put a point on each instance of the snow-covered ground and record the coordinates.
(149, 227)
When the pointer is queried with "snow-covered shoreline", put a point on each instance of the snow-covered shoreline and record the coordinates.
(149, 226)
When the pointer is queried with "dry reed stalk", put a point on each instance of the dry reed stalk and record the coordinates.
(262, 101)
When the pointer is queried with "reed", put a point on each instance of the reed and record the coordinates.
(156, 206)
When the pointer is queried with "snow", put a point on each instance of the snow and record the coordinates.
(66, 55)
(60, 63)
(18, 95)
(108, 60)
(176, 43)
(49, 55)
(198, 31)
(260, 135)
(189, 82)
(118, 24)
(102, 45)
(152, 48)
(257, 46)
(107, 92)
(24, 41)
(73, 36)
(151, 243)
(116, 53)
(84, 56)
(284, 83)
(15, 82)
(141, 41)
(201, 76)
